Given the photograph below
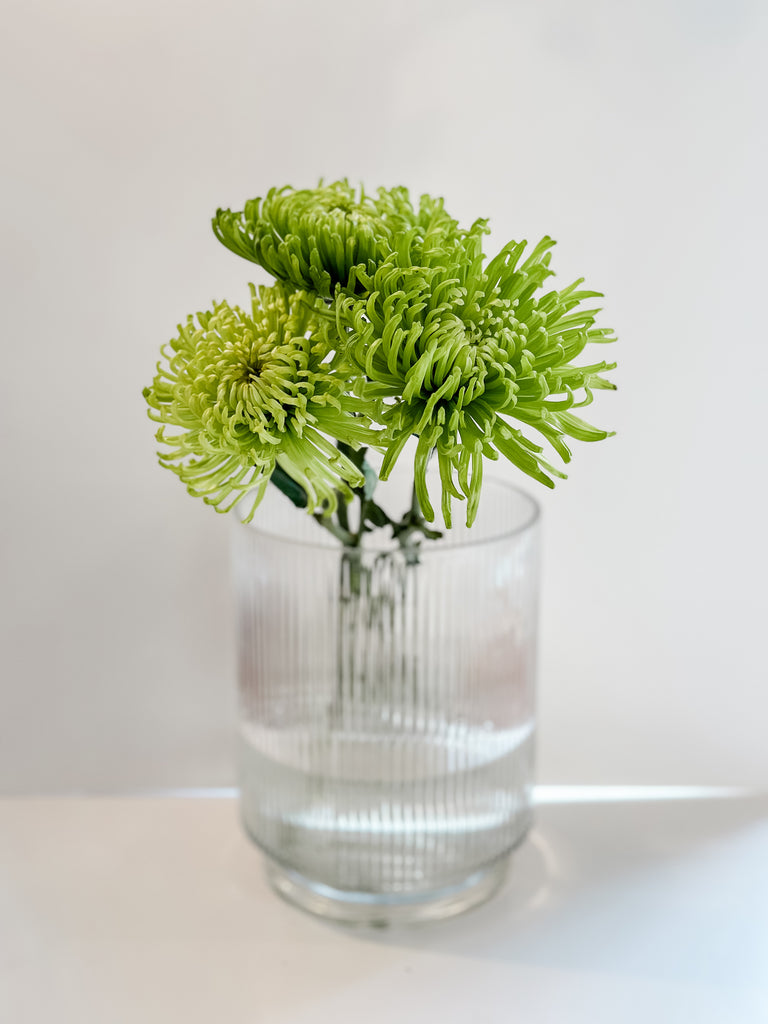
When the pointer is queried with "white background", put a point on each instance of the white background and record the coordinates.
(632, 132)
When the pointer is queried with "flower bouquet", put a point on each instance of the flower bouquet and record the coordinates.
(386, 661)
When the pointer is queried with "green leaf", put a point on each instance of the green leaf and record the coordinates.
(375, 514)
(371, 479)
(289, 487)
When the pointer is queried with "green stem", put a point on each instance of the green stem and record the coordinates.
(346, 538)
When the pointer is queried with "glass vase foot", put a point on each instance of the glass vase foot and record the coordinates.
(377, 910)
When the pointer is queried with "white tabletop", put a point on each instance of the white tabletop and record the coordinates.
(155, 910)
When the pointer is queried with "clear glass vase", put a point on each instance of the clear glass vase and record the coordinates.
(387, 708)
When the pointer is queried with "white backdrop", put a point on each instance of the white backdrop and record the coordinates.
(632, 132)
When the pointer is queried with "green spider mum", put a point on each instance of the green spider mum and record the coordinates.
(241, 393)
(314, 239)
(456, 352)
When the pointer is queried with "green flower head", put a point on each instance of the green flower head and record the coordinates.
(461, 354)
(315, 239)
(241, 393)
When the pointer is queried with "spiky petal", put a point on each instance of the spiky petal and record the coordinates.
(461, 353)
(315, 239)
(239, 393)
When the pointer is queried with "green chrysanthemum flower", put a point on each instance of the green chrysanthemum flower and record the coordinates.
(315, 238)
(241, 393)
(457, 352)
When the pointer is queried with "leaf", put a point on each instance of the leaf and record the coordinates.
(371, 479)
(289, 487)
(376, 515)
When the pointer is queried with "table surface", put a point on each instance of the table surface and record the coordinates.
(155, 909)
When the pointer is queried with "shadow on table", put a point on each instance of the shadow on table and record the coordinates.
(672, 890)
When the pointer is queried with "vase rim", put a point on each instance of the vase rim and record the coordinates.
(527, 520)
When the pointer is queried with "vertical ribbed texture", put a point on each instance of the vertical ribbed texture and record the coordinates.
(387, 705)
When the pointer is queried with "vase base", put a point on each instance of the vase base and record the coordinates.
(374, 910)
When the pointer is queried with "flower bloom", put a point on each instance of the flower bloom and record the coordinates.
(461, 354)
(239, 393)
(313, 239)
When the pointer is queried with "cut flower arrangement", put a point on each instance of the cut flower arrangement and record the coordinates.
(387, 704)
(385, 322)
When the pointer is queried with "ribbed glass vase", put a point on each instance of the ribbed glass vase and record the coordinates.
(387, 708)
